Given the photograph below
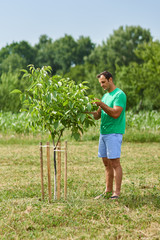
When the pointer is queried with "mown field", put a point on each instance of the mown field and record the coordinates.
(136, 215)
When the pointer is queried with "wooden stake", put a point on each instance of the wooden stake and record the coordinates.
(65, 171)
(59, 172)
(41, 162)
(49, 172)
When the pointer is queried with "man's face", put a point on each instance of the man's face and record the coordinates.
(105, 84)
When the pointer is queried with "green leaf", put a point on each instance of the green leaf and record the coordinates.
(24, 70)
(76, 135)
(56, 125)
(65, 103)
(82, 118)
(95, 100)
(48, 98)
(89, 107)
(16, 91)
(84, 82)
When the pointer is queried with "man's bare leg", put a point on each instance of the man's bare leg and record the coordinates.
(117, 174)
(109, 174)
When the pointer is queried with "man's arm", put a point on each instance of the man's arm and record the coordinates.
(114, 112)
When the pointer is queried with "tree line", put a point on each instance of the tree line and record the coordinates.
(129, 53)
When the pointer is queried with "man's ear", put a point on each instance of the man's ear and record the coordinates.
(110, 79)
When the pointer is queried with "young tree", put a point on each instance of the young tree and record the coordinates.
(56, 103)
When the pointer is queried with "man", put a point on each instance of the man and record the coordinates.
(112, 113)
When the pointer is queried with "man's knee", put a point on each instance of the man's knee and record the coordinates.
(106, 162)
(115, 163)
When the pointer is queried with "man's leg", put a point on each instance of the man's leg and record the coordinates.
(117, 174)
(109, 174)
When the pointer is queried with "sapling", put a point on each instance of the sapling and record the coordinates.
(56, 103)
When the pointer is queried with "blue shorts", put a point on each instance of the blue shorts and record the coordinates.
(110, 145)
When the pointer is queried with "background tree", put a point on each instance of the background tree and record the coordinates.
(12, 63)
(6, 51)
(64, 50)
(25, 51)
(16, 56)
(93, 83)
(77, 73)
(121, 45)
(44, 53)
(94, 63)
(124, 54)
(141, 82)
(98, 58)
(8, 82)
(83, 49)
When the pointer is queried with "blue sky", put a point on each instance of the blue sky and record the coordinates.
(28, 20)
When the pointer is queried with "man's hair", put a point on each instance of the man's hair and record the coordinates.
(106, 74)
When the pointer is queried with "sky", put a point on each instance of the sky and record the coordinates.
(29, 19)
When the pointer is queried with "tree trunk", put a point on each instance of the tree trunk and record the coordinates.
(55, 171)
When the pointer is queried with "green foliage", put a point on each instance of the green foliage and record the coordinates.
(141, 82)
(93, 82)
(86, 72)
(83, 49)
(129, 54)
(144, 120)
(16, 56)
(12, 63)
(8, 82)
(16, 123)
(98, 58)
(122, 43)
(56, 103)
(64, 50)
(25, 51)
(44, 53)
(141, 127)
(77, 73)
(6, 51)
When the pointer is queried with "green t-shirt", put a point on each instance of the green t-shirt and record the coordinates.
(109, 124)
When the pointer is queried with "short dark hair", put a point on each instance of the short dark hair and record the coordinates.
(107, 75)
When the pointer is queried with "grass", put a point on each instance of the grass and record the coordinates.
(136, 215)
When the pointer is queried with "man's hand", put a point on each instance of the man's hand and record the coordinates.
(114, 112)
(97, 102)
(97, 114)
